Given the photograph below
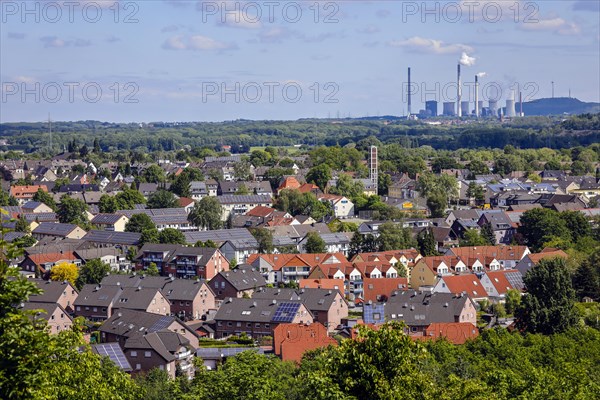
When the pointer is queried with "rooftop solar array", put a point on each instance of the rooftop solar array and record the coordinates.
(515, 279)
(286, 312)
(113, 237)
(115, 353)
(221, 235)
(373, 313)
(162, 323)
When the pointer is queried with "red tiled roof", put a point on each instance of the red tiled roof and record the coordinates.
(468, 283)
(454, 332)
(289, 183)
(332, 284)
(261, 211)
(375, 288)
(537, 257)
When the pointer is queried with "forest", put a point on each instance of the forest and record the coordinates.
(241, 135)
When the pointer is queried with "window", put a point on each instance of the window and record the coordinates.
(230, 323)
(138, 366)
(78, 308)
(95, 309)
(147, 354)
(133, 354)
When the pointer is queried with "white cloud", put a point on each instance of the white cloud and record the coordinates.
(432, 46)
(555, 25)
(196, 43)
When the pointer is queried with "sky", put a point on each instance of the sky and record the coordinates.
(175, 61)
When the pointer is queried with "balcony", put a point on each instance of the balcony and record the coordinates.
(186, 271)
(185, 262)
(186, 354)
(152, 259)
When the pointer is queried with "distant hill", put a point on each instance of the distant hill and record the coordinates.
(558, 106)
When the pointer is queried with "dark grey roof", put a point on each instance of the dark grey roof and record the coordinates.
(11, 236)
(55, 229)
(243, 278)
(314, 299)
(135, 298)
(218, 353)
(97, 295)
(46, 309)
(127, 323)
(106, 219)
(183, 289)
(150, 341)
(245, 199)
(122, 238)
(171, 251)
(40, 217)
(153, 212)
(255, 310)
(52, 291)
(424, 308)
(241, 238)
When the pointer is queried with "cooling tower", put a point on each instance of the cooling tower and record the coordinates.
(449, 108)
(510, 108)
(464, 108)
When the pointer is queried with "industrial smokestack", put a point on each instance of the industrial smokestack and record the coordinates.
(459, 95)
(521, 114)
(409, 94)
(476, 96)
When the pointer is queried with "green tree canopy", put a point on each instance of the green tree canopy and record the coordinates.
(547, 307)
(207, 213)
(163, 199)
(92, 272)
(314, 243)
(139, 222)
(171, 236)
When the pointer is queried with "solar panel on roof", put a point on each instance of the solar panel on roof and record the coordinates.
(515, 279)
(373, 314)
(162, 323)
(115, 353)
(286, 312)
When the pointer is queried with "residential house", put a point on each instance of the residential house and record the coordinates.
(341, 205)
(145, 299)
(152, 341)
(236, 244)
(501, 224)
(62, 293)
(56, 316)
(97, 302)
(25, 193)
(182, 261)
(334, 242)
(240, 282)
(497, 283)
(531, 260)
(507, 256)
(110, 222)
(456, 284)
(323, 283)
(419, 309)
(190, 299)
(454, 332)
(380, 289)
(57, 230)
(41, 263)
(292, 267)
(257, 317)
(120, 240)
(36, 207)
(163, 218)
(291, 341)
(163, 349)
(238, 205)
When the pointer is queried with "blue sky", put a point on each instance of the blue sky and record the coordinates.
(223, 60)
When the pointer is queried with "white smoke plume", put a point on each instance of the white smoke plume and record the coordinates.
(466, 60)
(482, 74)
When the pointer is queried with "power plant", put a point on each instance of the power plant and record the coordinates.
(460, 108)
